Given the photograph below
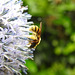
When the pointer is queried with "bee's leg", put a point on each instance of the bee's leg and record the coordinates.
(32, 37)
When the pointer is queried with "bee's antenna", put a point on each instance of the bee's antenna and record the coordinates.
(40, 25)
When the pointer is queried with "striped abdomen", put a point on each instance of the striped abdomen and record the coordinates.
(35, 29)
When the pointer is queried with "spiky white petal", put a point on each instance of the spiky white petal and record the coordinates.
(14, 47)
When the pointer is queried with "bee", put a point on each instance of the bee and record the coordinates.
(36, 35)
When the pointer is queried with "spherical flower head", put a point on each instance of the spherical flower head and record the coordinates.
(14, 44)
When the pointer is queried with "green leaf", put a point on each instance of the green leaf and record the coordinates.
(31, 66)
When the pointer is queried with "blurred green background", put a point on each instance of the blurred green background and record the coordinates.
(55, 55)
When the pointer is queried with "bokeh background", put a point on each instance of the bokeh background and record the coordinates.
(55, 55)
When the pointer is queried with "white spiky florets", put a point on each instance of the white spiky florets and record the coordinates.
(13, 43)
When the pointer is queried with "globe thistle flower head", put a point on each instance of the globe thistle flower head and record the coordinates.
(14, 44)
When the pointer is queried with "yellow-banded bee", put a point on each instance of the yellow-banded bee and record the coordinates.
(36, 35)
